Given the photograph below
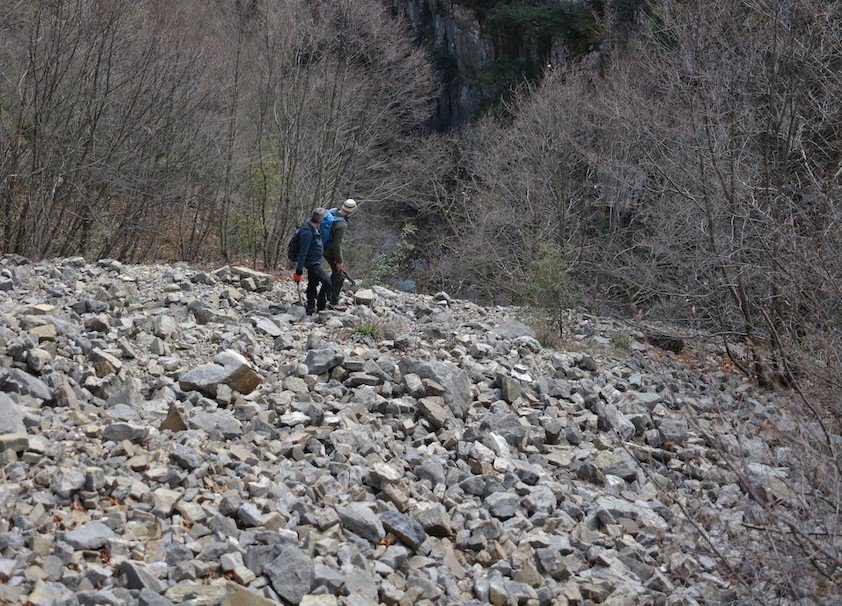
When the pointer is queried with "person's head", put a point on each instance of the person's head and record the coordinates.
(348, 207)
(318, 215)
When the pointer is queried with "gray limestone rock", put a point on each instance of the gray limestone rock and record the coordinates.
(291, 573)
(11, 419)
(92, 535)
(18, 381)
(456, 383)
(408, 531)
(118, 432)
(320, 361)
(68, 482)
(512, 329)
(361, 520)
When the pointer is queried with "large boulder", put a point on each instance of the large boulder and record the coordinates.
(291, 573)
(456, 383)
(253, 280)
(512, 329)
(228, 368)
(18, 381)
(92, 535)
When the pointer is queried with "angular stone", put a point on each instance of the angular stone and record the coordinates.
(18, 381)
(502, 504)
(511, 389)
(320, 361)
(610, 418)
(262, 282)
(237, 595)
(164, 326)
(117, 432)
(7, 568)
(44, 332)
(454, 380)
(673, 431)
(221, 421)
(365, 296)
(48, 594)
(105, 363)
(640, 511)
(230, 368)
(291, 573)
(14, 442)
(250, 515)
(434, 411)
(507, 425)
(435, 520)
(408, 531)
(148, 597)
(11, 419)
(360, 520)
(196, 594)
(173, 421)
(242, 378)
(512, 329)
(327, 576)
(164, 500)
(92, 535)
(68, 482)
(414, 385)
(204, 378)
(266, 326)
(138, 577)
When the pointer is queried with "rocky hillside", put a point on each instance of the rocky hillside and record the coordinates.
(176, 436)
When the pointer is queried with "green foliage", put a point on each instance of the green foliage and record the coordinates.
(366, 330)
(549, 289)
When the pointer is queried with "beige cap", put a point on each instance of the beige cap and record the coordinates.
(349, 206)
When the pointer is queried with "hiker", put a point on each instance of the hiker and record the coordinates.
(310, 254)
(333, 228)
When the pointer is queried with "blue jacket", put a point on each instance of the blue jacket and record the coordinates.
(310, 248)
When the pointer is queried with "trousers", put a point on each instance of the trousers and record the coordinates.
(318, 287)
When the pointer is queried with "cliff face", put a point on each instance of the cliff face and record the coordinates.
(477, 61)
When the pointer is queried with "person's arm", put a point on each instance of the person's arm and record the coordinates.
(336, 239)
(304, 241)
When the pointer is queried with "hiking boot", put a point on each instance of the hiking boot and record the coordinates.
(310, 311)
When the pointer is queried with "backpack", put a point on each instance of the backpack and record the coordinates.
(294, 245)
(326, 228)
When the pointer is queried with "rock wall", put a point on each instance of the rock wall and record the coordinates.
(463, 51)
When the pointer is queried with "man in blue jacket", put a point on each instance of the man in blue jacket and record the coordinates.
(310, 254)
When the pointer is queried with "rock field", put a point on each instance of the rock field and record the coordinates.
(170, 435)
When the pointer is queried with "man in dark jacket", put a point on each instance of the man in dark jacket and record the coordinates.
(333, 231)
(310, 254)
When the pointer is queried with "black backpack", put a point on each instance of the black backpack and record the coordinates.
(294, 244)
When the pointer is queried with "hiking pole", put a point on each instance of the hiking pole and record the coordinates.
(298, 289)
(351, 281)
